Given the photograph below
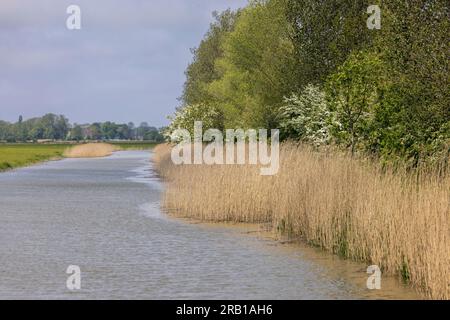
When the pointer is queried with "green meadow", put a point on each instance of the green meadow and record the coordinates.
(19, 155)
(24, 154)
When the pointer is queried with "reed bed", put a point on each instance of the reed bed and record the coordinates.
(90, 150)
(396, 219)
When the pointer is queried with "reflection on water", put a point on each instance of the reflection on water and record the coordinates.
(103, 215)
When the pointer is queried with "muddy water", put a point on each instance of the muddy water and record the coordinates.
(103, 215)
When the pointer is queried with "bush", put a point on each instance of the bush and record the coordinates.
(306, 117)
(184, 118)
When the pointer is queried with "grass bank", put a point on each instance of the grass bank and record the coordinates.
(24, 154)
(20, 155)
(398, 220)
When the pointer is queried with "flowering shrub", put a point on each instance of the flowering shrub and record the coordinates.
(305, 117)
(185, 117)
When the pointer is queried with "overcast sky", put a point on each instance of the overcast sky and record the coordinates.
(125, 64)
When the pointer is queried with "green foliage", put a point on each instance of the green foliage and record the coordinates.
(415, 48)
(76, 133)
(201, 72)
(50, 126)
(353, 96)
(387, 90)
(325, 32)
(53, 127)
(258, 66)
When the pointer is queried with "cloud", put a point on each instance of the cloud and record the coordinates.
(126, 63)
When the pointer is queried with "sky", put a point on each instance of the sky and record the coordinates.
(126, 63)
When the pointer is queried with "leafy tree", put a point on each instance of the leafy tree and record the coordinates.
(4, 130)
(142, 130)
(202, 71)
(415, 46)
(353, 95)
(95, 131)
(76, 133)
(153, 135)
(258, 66)
(124, 132)
(109, 130)
(325, 32)
(57, 127)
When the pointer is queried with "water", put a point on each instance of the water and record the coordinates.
(104, 216)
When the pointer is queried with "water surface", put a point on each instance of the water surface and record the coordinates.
(104, 216)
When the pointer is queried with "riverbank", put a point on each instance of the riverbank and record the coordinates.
(399, 221)
(107, 220)
(20, 155)
(90, 150)
(25, 154)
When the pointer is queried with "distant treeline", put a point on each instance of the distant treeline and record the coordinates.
(58, 127)
(316, 70)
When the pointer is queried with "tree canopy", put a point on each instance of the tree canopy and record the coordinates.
(57, 127)
(386, 91)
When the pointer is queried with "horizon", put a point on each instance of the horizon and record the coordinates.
(150, 124)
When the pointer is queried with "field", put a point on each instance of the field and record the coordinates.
(396, 219)
(20, 155)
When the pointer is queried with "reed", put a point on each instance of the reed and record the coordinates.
(397, 219)
(90, 150)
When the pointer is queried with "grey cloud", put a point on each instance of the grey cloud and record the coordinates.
(126, 63)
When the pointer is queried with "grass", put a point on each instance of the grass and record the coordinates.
(19, 155)
(396, 219)
(25, 154)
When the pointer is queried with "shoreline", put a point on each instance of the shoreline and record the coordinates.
(341, 206)
(47, 153)
(31, 164)
(355, 271)
(189, 261)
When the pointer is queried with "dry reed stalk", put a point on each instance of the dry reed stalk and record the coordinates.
(351, 207)
(90, 150)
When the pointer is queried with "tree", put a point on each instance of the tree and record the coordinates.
(153, 134)
(142, 130)
(415, 107)
(57, 127)
(76, 133)
(258, 66)
(5, 128)
(62, 126)
(324, 33)
(201, 72)
(353, 93)
(387, 90)
(95, 131)
(131, 131)
(109, 130)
